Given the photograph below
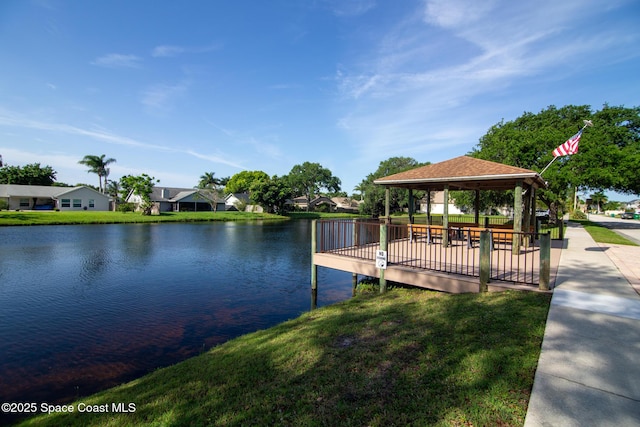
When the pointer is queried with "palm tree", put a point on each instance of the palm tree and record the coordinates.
(209, 185)
(98, 165)
(361, 188)
(598, 198)
(208, 180)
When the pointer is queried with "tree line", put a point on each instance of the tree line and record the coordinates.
(608, 159)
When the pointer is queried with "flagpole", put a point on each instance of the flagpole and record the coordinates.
(586, 123)
(546, 167)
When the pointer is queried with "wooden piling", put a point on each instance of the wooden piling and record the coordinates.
(545, 261)
(383, 247)
(517, 218)
(485, 260)
(314, 267)
(354, 284)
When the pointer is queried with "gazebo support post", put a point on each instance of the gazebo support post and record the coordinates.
(445, 217)
(517, 218)
(476, 208)
(387, 202)
(411, 207)
(428, 207)
(526, 220)
(533, 226)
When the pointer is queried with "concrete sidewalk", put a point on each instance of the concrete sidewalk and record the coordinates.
(589, 368)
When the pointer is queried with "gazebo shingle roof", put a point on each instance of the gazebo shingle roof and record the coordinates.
(463, 173)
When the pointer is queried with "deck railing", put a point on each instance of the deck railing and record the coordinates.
(455, 250)
(351, 238)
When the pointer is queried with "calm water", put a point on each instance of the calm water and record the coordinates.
(83, 308)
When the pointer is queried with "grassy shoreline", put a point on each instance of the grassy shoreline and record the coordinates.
(13, 218)
(406, 357)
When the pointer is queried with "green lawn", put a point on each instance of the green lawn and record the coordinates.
(83, 217)
(322, 215)
(602, 234)
(408, 357)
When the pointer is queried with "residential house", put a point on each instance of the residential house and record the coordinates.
(41, 197)
(237, 201)
(318, 203)
(437, 204)
(173, 199)
(346, 204)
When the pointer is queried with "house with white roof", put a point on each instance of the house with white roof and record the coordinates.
(42, 197)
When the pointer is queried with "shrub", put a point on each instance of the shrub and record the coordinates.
(578, 214)
(126, 207)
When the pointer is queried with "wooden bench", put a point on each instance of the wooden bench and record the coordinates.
(496, 235)
(502, 236)
(430, 232)
(501, 226)
(501, 233)
(471, 234)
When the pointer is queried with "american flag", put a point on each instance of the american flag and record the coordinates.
(569, 147)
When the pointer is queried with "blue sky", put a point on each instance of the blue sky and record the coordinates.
(177, 89)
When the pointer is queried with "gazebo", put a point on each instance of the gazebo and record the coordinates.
(468, 173)
(462, 258)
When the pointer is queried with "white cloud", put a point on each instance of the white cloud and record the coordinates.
(456, 13)
(250, 143)
(173, 50)
(98, 134)
(68, 167)
(414, 86)
(285, 86)
(117, 60)
(160, 97)
(215, 158)
(166, 51)
(351, 7)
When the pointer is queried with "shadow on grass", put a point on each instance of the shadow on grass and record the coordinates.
(406, 357)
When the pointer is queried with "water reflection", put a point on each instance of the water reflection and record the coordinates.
(87, 307)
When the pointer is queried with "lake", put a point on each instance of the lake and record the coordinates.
(87, 307)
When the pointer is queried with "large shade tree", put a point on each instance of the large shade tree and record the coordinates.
(242, 181)
(608, 157)
(272, 193)
(142, 186)
(98, 165)
(31, 174)
(308, 179)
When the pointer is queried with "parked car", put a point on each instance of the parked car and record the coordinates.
(542, 215)
(626, 215)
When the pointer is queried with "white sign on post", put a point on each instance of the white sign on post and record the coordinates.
(381, 259)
